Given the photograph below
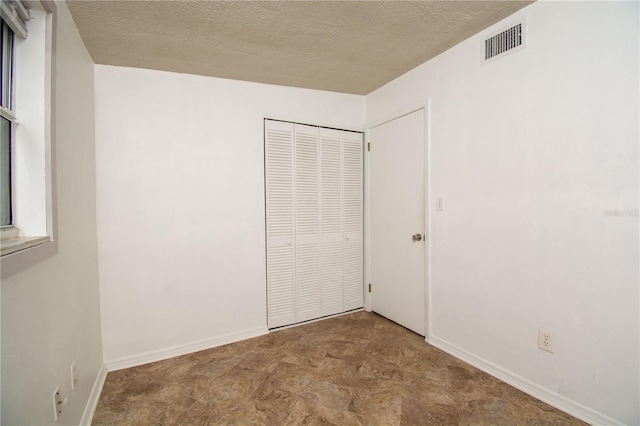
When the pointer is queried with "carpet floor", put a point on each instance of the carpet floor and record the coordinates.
(355, 369)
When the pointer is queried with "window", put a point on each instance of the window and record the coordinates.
(6, 121)
(27, 151)
(5, 172)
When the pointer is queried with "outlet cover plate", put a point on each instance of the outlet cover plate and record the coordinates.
(547, 340)
(57, 402)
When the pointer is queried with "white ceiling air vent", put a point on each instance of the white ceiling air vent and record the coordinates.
(508, 41)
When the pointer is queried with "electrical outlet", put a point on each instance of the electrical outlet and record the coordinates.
(57, 403)
(547, 340)
(439, 204)
(74, 375)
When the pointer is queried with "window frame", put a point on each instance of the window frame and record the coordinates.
(34, 249)
(6, 108)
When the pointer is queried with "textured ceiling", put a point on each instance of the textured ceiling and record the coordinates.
(342, 46)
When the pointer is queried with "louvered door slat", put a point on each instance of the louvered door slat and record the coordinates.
(280, 223)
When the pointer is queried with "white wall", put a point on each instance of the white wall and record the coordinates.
(50, 312)
(529, 153)
(181, 205)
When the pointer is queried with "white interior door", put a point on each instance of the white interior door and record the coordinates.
(352, 220)
(281, 272)
(306, 222)
(397, 178)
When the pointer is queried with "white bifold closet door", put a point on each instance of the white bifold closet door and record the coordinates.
(314, 222)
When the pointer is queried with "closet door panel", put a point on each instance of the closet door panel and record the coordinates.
(314, 211)
(352, 222)
(307, 211)
(331, 275)
(279, 181)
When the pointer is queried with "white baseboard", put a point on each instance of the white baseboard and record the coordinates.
(94, 396)
(174, 351)
(554, 399)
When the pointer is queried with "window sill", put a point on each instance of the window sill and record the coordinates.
(21, 243)
(8, 232)
(23, 257)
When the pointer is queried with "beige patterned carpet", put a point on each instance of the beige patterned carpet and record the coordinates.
(356, 369)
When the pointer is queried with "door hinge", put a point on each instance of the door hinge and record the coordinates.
(369, 287)
(368, 146)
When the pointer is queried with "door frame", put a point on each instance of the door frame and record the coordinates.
(425, 106)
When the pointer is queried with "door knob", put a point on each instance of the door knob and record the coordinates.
(416, 237)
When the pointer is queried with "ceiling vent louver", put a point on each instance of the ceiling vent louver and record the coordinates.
(507, 41)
